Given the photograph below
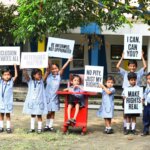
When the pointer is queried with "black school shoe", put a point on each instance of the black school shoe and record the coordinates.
(46, 128)
(127, 132)
(73, 121)
(133, 132)
(9, 130)
(110, 131)
(1, 130)
(39, 131)
(31, 131)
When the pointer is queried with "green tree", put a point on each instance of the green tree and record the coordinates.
(6, 24)
(49, 17)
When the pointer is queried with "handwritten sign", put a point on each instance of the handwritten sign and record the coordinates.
(34, 60)
(92, 77)
(132, 46)
(133, 101)
(61, 48)
(9, 55)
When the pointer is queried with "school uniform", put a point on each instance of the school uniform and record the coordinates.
(35, 102)
(76, 98)
(106, 109)
(6, 96)
(146, 111)
(53, 83)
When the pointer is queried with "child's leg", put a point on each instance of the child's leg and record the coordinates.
(69, 110)
(106, 123)
(77, 107)
(109, 122)
(52, 116)
(1, 120)
(7, 120)
(39, 122)
(124, 121)
(133, 123)
(48, 119)
(128, 122)
(33, 122)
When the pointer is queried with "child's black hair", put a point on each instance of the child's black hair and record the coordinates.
(77, 76)
(55, 65)
(35, 71)
(132, 75)
(6, 70)
(148, 74)
(110, 78)
(132, 62)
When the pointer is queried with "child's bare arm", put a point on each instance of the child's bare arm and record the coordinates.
(66, 89)
(144, 62)
(119, 63)
(25, 74)
(16, 73)
(105, 89)
(46, 74)
(65, 65)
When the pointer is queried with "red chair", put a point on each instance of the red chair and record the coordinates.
(81, 120)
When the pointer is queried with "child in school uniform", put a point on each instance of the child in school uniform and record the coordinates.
(106, 109)
(131, 118)
(146, 111)
(35, 102)
(75, 100)
(132, 67)
(53, 78)
(6, 97)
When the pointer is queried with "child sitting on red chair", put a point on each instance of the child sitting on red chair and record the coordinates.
(75, 100)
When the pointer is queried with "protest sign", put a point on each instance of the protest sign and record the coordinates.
(92, 77)
(34, 60)
(133, 101)
(132, 46)
(9, 55)
(61, 48)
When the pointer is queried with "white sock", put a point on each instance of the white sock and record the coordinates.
(124, 123)
(1, 124)
(40, 125)
(32, 123)
(47, 122)
(128, 126)
(8, 124)
(109, 128)
(51, 123)
(133, 125)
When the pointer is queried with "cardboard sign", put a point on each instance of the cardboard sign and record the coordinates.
(92, 77)
(9, 55)
(132, 46)
(34, 60)
(133, 101)
(61, 48)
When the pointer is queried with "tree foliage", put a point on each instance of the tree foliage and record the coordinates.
(6, 24)
(42, 17)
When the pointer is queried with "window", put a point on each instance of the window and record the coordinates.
(78, 57)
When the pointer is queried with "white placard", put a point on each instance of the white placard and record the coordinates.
(132, 46)
(9, 55)
(61, 48)
(92, 77)
(34, 60)
(133, 101)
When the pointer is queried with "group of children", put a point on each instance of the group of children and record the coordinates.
(42, 100)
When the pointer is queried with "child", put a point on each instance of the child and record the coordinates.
(6, 97)
(146, 112)
(106, 110)
(75, 100)
(132, 66)
(35, 103)
(53, 78)
(132, 77)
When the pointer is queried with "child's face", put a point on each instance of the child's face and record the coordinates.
(132, 81)
(132, 67)
(54, 69)
(148, 79)
(6, 76)
(38, 76)
(109, 83)
(76, 81)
